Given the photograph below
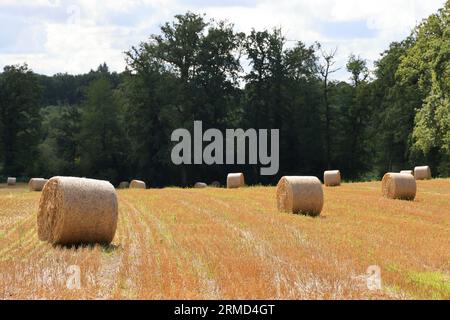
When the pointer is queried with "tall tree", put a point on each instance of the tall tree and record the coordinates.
(282, 93)
(20, 96)
(326, 69)
(59, 150)
(427, 63)
(301, 146)
(265, 52)
(394, 104)
(198, 62)
(356, 116)
(101, 139)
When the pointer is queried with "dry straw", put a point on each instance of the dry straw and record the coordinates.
(332, 178)
(200, 185)
(398, 186)
(137, 184)
(407, 172)
(235, 180)
(422, 173)
(37, 184)
(300, 195)
(11, 181)
(124, 185)
(77, 210)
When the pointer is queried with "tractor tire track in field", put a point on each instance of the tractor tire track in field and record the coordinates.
(233, 244)
(287, 280)
(173, 266)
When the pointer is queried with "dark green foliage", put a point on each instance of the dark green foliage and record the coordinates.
(118, 126)
(103, 149)
(19, 120)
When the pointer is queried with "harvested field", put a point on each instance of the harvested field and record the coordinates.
(234, 244)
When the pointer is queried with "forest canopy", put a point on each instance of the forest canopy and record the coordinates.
(117, 126)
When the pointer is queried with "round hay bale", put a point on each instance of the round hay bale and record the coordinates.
(137, 184)
(215, 184)
(200, 185)
(300, 195)
(407, 172)
(332, 178)
(235, 180)
(11, 181)
(124, 185)
(77, 210)
(37, 184)
(422, 173)
(398, 186)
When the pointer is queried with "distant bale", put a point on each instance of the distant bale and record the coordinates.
(332, 178)
(124, 185)
(37, 184)
(200, 185)
(11, 181)
(300, 195)
(407, 172)
(422, 173)
(77, 210)
(215, 184)
(398, 186)
(137, 184)
(235, 180)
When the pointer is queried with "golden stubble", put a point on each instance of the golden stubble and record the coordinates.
(218, 243)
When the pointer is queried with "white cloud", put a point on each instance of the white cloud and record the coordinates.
(75, 36)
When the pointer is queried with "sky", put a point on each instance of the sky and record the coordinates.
(54, 36)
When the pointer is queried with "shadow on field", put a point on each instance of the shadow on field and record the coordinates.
(106, 248)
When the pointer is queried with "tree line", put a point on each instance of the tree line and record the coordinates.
(117, 126)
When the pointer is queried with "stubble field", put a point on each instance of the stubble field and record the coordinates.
(233, 244)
